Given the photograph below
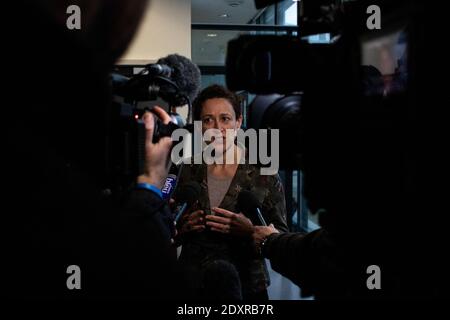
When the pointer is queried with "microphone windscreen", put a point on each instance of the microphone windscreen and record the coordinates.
(188, 193)
(186, 75)
(247, 202)
(221, 281)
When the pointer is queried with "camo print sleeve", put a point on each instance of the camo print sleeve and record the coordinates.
(274, 205)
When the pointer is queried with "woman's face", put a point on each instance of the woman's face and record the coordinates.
(218, 113)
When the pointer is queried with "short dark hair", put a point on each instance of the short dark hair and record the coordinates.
(212, 92)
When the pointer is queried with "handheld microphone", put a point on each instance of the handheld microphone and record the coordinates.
(169, 186)
(249, 205)
(186, 196)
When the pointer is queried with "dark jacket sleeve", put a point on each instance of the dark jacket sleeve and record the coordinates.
(299, 256)
(146, 205)
(142, 257)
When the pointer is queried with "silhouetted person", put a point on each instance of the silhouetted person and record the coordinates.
(59, 210)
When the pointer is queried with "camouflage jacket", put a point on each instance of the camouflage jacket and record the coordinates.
(200, 248)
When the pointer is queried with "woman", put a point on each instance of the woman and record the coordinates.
(218, 255)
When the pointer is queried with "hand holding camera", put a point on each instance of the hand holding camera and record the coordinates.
(157, 155)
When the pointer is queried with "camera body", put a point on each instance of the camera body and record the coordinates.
(322, 94)
(359, 136)
(345, 110)
(132, 97)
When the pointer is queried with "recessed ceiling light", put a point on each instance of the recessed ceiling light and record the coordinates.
(212, 35)
(225, 15)
(235, 3)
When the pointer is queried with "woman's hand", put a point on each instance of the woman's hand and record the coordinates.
(229, 222)
(192, 222)
(262, 232)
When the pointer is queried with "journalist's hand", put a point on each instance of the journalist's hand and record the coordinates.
(262, 232)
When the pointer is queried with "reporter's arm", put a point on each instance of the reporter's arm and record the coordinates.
(146, 200)
(144, 254)
(295, 255)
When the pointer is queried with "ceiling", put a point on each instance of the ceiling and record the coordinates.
(210, 51)
(210, 11)
(209, 46)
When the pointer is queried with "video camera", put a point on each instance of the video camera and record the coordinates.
(175, 80)
(325, 93)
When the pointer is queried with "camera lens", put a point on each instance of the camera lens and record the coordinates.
(280, 112)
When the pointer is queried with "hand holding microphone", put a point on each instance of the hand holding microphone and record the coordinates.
(249, 204)
(262, 232)
(194, 222)
(186, 199)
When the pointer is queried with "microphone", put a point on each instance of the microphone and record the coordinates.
(186, 196)
(249, 205)
(171, 181)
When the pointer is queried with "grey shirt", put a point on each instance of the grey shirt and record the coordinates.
(217, 188)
